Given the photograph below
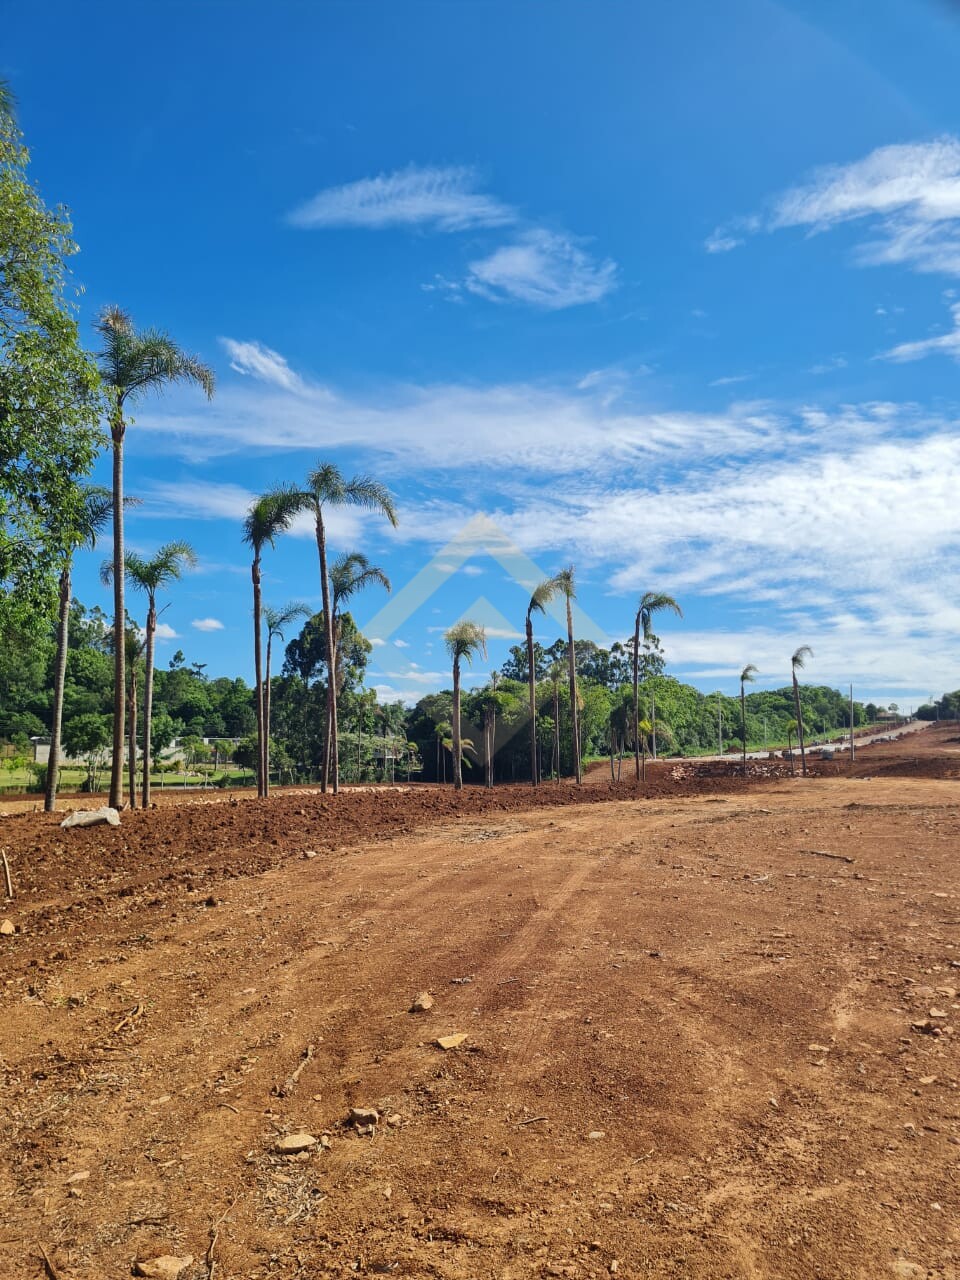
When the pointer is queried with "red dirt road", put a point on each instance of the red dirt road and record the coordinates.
(731, 1012)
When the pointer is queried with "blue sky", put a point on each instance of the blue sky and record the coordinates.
(669, 292)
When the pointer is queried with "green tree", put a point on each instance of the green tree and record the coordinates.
(267, 518)
(542, 595)
(96, 510)
(151, 576)
(87, 736)
(326, 487)
(49, 394)
(651, 602)
(277, 621)
(746, 677)
(464, 641)
(797, 663)
(133, 362)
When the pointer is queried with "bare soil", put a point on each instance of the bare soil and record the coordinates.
(709, 1030)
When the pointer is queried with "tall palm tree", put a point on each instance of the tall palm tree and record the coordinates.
(350, 572)
(464, 640)
(567, 588)
(791, 730)
(651, 602)
(151, 576)
(326, 487)
(93, 517)
(277, 621)
(797, 663)
(132, 362)
(555, 675)
(542, 595)
(268, 517)
(746, 677)
(133, 652)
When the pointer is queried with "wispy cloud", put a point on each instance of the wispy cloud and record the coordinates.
(255, 360)
(907, 195)
(444, 199)
(732, 379)
(829, 366)
(207, 624)
(945, 344)
(543, 268)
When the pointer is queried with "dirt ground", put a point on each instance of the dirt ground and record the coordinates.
(709, 1030)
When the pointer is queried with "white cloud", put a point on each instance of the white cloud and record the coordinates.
(829, 366)
(255, 360)
(946, 344)
(731, 380)
(400, 644)
(549, 427)
(376, 641)
(721, 242)
(908, 195)
(207, 624)
(543, 268)
(210, 500)
(444, 198)
(166, 632)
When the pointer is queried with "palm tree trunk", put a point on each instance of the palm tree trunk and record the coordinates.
(148, 701)
(59, 679)
(455, 734)
(266, 720)
(636, 698)
(132, 736)
(332, 753)
(258, 666)
(743, 727)
(574, 717)
(796, 700)
(117, 427)
(532, 681)
(555, 755)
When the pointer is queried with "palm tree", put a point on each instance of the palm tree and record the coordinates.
(791, 730)
(797, 663)
(442, 732)
(93, 516)
(277, 621)
(464, 640)
(326, 487)
(746, 677)
(132, 362)
(567, 588)
(555, 675)
(133, 652)
(542, 595)
(651, 602)
(268, 517)
(350, 572)
(150, 576)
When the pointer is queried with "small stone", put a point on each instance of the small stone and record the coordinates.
(8, 928)
(166, 1267)
(363, 1116)
(614, 1267)
(819, 1048)
(80, 1176)
(422, 1002)
(938, 1013)
(452, 1042)
(395, 1120)
(294, 1143)
(309, 853)
(908, 1270)
(595, 1135)
(928, 1080)
(90, 817)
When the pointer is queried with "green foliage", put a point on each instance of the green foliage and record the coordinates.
(49, 396)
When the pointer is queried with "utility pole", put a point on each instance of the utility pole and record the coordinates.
(853, 747)
(764, 733)
(719, 724)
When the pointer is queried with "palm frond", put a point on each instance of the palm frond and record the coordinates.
(748, 674)
(565, 583)
(542, 594)
(465, 640)
(800, 657)
(361, 491)
(652, 602)
(278, 620)
(133, 361)
(271, 514)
